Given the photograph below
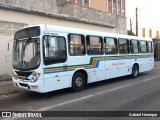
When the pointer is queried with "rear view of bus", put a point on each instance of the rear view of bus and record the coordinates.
(26, 61)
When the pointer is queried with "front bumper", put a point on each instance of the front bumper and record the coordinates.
(27, 85)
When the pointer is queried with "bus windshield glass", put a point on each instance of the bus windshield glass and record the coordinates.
(26, 53)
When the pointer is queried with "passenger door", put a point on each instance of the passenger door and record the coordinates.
(95, 59)
(55, 63)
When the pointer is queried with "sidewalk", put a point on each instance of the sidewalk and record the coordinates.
(6, 87)
(157, 63)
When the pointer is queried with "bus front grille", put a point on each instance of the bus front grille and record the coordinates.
(23, 84)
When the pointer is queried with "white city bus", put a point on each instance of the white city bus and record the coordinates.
(48, 57)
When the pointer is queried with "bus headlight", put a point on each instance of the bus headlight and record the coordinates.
(35, 77)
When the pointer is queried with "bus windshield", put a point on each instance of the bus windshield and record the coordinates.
(26, 53)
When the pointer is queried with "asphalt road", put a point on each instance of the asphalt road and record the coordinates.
(120, 94)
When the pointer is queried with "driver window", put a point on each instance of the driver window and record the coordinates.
(54, 50)
(50, 47)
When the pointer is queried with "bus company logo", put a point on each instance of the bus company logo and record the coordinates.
(6, 114)
(118, 63)
(23, 64)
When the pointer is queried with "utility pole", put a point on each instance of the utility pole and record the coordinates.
(131, 25)
(136, 21)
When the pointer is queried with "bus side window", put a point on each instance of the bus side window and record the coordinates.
(149, 47)
(111, 45)
(76, 44)
(94, 45)
(54, 50)
(134, 46)
(143, 46)
(124, 46)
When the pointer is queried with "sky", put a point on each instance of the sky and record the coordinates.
(148, 15)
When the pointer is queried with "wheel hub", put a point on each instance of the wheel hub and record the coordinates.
(79, 82)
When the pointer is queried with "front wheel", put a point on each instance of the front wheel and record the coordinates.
(135, 71)
(78, 82)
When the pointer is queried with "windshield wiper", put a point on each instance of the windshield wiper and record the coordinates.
(26, 44)
(22, 54)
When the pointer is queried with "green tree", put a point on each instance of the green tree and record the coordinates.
(131, 33)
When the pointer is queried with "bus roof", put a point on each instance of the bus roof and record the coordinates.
(54, 29)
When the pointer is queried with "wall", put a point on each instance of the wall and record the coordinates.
(62, 9)
(122, 25)
(99, 4)
(7, 30)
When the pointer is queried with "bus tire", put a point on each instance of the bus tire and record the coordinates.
(135, 71)
(78, 82)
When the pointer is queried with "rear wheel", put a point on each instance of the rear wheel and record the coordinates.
(135, 71)
(78, 82)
